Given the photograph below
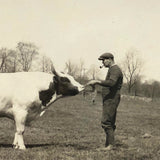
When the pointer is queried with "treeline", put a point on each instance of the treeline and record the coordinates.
(27, 57)
(149, 89)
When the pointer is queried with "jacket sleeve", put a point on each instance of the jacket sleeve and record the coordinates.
(114, 75)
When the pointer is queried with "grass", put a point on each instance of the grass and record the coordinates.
(71, 130)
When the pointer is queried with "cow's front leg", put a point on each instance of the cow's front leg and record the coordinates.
(15, 142)
(18, 140)
(20, 126)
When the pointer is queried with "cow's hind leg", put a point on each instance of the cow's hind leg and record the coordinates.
(20, 126)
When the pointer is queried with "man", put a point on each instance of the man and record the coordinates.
(111, 96)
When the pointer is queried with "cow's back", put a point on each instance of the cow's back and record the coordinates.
(23, 86)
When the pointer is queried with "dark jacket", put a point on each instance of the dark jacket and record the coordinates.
(112, 83)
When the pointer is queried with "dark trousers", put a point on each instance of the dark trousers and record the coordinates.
(109, 117)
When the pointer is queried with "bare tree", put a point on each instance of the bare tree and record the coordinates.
(8, 60)
(15, 62)
(131, 68)
(155, 91)
(93, 72)
(26, 54)
(12, 63)
(71, 68)
(137, 86)
(46, 64)
(3, 57)
(151, 89)
(81, 68)
(146, 89)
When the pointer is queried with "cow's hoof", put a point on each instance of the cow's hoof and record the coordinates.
(15, 146)
(19, 147)
(22, 147)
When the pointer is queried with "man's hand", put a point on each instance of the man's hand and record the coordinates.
(92, 82)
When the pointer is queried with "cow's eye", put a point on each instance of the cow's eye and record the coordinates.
(64, 79)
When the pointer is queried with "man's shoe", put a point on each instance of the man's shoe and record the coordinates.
(108, 148)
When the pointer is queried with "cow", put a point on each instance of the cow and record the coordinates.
(25, 96)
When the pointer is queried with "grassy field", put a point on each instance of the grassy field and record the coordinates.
(71, 130)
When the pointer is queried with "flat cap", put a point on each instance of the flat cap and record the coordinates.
(106, 56)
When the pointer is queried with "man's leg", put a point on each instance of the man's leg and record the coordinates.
(106, 142)
(110, 136)
(109, 144)
(116, 101)
(109, 110)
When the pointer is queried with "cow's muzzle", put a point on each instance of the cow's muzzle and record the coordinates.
(81, 88)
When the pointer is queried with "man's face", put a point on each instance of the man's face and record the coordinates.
(106, 62)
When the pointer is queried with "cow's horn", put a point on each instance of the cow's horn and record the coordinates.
(53, 70)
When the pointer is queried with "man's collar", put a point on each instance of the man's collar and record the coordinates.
(112, 65)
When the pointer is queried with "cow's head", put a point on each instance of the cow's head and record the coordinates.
(65, 84)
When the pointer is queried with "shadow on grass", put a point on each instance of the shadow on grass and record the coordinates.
(6, 145)
(75, 146)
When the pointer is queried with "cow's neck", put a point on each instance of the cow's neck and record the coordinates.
(56, 87)
(54, 98)
(46, 95)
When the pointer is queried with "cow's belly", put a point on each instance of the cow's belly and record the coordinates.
(6, 108)
(34, 111)
(7, 114)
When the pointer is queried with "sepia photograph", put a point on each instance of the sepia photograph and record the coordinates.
(79, 80)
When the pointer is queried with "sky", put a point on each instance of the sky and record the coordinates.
(84, 29)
